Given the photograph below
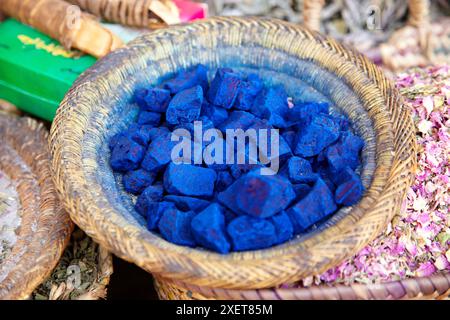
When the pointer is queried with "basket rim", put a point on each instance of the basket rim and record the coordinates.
(45, 227)
(182, 262)
(434, 286)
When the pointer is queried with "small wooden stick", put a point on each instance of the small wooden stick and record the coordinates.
(311, 13)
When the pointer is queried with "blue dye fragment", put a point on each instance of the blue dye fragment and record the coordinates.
(126, 155)
(136, 181)
(156, 211)
(149, 118)
(345, 152)
(300, 170)
(185, 106)
(208, 228)
(250, 233)
(196, 76)
(301, 190)
(349, 189)
(139, 134)
(153, 100)
(272, 104)
(151, 194)
(319, 134)
(187, 203)
(247, 92)
(237, 120)
(216, 114)
(315, 206)
(224, 88)
(159, 152)
(224, 180)
(189, 180)
(283, 227)
(175, 226)
(258, 195)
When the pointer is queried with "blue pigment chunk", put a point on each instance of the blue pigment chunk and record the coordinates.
(307, 110)
(249, 233)
(136, 181)
(153, 133)
(258, 195)
(156, 211)
(189, 180)
(283, 227)
(216, 114)
(138, 134)
(237, 120)
(196, 76)
(350, 190)
(158, 153)
(149, 118)
(175, 226)
(224, 88)
(290, 137)
(319, 134)
(187, 203)
(272, 104)
(153, 100)
(114, 139)
(345, 152)
(224, 180)
(247, 92)
(151, 194)
(229, 215)
(126, 155)
(185, 106)
(301, 190)
(315, 206)
(300, 170)
(208, 228)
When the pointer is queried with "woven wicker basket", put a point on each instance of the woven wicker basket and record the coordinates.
(45, 227)
(97, 107)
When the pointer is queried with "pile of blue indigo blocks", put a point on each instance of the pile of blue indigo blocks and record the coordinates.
(233, 207)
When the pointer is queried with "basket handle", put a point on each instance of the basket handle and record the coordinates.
(419, 13)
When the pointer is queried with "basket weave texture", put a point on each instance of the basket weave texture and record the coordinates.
(45, 227)
(95, 107)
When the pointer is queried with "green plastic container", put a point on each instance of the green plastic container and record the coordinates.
(35, 70)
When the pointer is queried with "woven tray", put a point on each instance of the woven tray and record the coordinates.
(97, 107)
(45, 227)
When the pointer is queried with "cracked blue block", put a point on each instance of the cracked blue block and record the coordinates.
(272, 104)
(186, 79)
(137, 180)
(153, 99)
(237, 120)
(224, 88)
(315, 137)
(139, 134)
(189, 180)
(316, 205)
(159, 153)
(306, 110)
(151, 194)
(149, 118)
(283, 227)
(154, 133)
(345, 152)
(258, 195)
(247, 93)
(250, 233)
(185, 106)
(126, 155)
(187, 203)
(208, 228)
(175, 226)
(229, 215)
(224, 180)
(300, 170)
(290, 137)
(156, 211)
(115, 139)
(301, 190)
(350, 189)
(216, 114)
